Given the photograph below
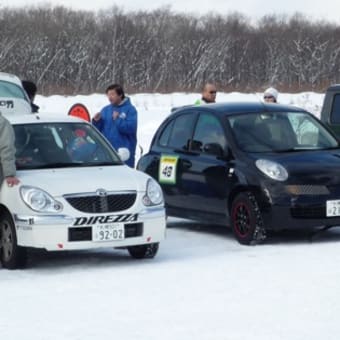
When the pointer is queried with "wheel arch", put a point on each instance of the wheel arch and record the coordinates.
(255, 190)
(4, 210)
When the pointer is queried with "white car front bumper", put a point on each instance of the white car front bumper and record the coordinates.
(63, 232)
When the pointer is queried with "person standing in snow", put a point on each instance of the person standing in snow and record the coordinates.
(208, 94)
(7, 153)
(270, 95)
(118, 121)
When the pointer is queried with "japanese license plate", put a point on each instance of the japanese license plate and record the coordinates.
(108, 232)
(333, 208)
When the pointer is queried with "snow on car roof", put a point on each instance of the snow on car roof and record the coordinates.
(41, 118)
(10, 78)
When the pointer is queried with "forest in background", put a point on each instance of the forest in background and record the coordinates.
(79, 52)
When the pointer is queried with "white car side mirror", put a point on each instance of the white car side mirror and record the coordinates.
(124, 154)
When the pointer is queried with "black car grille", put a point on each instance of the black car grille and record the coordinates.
(315, 190)
(308, 212)
(102, 204)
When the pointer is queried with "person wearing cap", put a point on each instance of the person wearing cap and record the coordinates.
(79, 148)
(208, 94)
(270, 95)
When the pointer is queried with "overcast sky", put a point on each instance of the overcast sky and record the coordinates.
(323, 9)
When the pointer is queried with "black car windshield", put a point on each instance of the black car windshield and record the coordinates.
(60, 145)
(280, 132)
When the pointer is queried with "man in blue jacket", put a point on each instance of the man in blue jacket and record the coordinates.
(118, 121)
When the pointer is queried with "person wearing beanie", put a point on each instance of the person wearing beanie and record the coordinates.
(270, 95)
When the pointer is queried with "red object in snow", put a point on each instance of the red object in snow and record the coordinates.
(79, 110)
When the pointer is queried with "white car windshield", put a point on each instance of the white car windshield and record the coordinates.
(280, 132)
(50, 145)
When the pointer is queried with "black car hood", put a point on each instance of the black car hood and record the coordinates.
(313, 167)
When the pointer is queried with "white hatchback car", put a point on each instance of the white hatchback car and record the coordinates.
(75, 193)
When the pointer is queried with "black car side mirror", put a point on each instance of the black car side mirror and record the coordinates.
(214, 149)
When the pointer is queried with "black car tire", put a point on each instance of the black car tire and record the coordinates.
(12, 255)
(246, 219)
(144, 251)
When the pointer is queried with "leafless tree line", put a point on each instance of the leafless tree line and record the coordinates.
(67, 51)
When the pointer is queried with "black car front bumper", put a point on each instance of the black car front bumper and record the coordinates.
(285, 208)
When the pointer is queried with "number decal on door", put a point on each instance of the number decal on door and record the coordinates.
(168, 169)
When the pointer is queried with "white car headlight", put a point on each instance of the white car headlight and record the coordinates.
(272, 169)
(154, 194)
(39, 200)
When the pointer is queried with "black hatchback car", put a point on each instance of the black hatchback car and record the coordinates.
(251, 166)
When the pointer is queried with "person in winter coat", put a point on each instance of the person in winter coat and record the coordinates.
(7, 153)
(118, 121)
(208, 94)
(270, 95)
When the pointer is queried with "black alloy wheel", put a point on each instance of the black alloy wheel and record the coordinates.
(246, 219)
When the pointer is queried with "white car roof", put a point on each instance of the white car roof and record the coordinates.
(41, 118)
(11, 78)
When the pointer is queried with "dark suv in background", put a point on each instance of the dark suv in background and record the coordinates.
(330, 112)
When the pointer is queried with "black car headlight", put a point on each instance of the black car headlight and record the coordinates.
(154, 194)
(272, 169)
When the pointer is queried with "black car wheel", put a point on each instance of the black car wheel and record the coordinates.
(145, 251)
(12, 256)
(246, 219)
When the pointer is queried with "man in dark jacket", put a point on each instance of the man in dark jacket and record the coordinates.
(118, 121)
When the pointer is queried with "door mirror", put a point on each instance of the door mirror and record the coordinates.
(124, 154)
(214, 149)
(195, 145)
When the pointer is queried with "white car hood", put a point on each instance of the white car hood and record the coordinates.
(59, 182)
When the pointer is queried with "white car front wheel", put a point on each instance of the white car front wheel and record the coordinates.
(12, 256)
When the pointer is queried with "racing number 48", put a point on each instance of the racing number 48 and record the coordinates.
(167, 171)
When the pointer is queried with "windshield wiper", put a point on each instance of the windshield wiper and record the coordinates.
(105, 163)
(298, 149)
(78, 164)
(60, 165)
(289, 150)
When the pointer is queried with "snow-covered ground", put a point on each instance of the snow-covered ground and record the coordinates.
(202, 285)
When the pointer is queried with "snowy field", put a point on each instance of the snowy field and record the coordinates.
(202, 285)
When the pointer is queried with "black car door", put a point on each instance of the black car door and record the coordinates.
(174, 159)
(205, 178)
